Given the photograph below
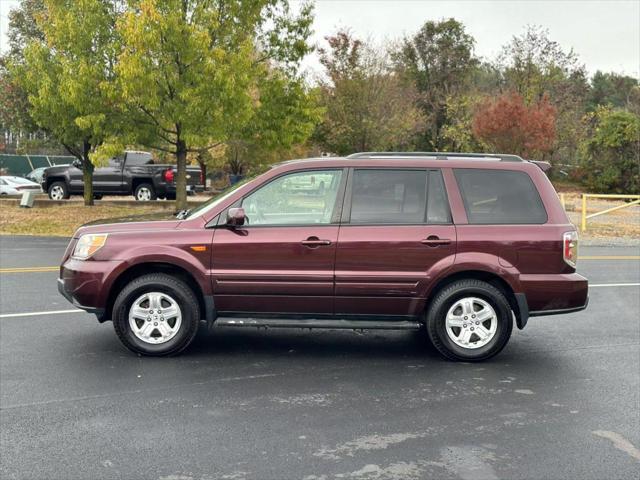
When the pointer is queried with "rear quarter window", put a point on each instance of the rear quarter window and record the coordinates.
(498, 197)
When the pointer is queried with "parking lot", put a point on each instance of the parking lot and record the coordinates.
(561, 401)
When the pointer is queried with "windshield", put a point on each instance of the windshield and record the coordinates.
(210, 204)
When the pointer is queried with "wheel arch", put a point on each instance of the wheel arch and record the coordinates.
(140, 269)
(520, 311)
(136, 182)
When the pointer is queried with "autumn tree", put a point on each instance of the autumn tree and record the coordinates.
(67, 73)
(439, 61)
(534, 65)
(367, 106)
(510, 126)
(191, 70)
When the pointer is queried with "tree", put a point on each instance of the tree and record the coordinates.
(438, 60)
(457, 134)
(610, 160)
(367, 106)
(534, 66)
(67, 75)
(23, 28)
(508, 125)
(618, 91)
(190, 70)
(285, 115)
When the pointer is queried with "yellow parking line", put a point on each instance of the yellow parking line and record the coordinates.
(29, 269)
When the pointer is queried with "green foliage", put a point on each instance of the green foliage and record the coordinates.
(457, 134)
(439, 61)
(618, 91)
(195, 73)
(367, 106)
(66, 75)
(611, 156)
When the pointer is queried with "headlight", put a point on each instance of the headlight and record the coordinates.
(88, 245)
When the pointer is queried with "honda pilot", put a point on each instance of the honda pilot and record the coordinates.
(463, 246)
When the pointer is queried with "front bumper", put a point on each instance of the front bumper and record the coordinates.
(85, 283)
(99, 312)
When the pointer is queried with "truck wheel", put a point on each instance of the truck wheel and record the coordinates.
(144, 192)
(157, 315)
(469, 320)
(58, 191)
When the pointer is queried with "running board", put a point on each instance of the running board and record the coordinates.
(318, 323)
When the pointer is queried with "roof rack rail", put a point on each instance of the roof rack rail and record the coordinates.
(439, 156)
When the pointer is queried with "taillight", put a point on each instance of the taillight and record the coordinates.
(168, 175)
(570, 247)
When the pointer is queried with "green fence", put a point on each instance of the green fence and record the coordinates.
(20, 165)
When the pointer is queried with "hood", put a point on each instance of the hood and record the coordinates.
(151, 221)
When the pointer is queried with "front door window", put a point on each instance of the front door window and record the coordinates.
(300, 198)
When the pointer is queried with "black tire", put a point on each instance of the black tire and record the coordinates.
(97, 196)
(171, 196)
(177, 290)
(58, 189)
(144, 190)
(446, 298)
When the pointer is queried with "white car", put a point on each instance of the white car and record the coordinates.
(17, 186)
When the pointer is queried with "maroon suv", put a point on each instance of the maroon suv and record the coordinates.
(462, 244)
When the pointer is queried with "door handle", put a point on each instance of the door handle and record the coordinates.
(313, 242)
(434, 241)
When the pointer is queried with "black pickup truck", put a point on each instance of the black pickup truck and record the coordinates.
(133, 173)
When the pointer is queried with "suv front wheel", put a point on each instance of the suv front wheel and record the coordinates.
(469, 320)
(156, 314)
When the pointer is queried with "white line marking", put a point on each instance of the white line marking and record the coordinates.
(619, 442)
(34, 314)
(59, 312)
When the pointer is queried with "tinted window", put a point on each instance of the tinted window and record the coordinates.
(437, 203)
(389, 196)
(138, 158)
(500, 197)
(301, 198)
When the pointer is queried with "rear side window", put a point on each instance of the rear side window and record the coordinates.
(388, 196)
(138, 158)
(500, 197)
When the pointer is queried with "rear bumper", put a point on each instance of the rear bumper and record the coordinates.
(551, 295)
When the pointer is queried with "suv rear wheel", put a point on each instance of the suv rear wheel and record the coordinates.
(156, 314)
(469, 320)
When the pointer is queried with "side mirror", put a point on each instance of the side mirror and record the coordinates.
(77, 163)
(235, 217)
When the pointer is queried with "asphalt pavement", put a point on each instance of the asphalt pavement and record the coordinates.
(561, 401)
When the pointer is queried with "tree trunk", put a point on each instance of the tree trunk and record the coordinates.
(87, 175)
(181, 178)
(203, 170)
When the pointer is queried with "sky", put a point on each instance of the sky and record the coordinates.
(604, 33)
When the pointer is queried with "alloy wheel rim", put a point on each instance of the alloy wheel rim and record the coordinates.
(144, 194)
(155, 318)
(57, 193)
(471, 323)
